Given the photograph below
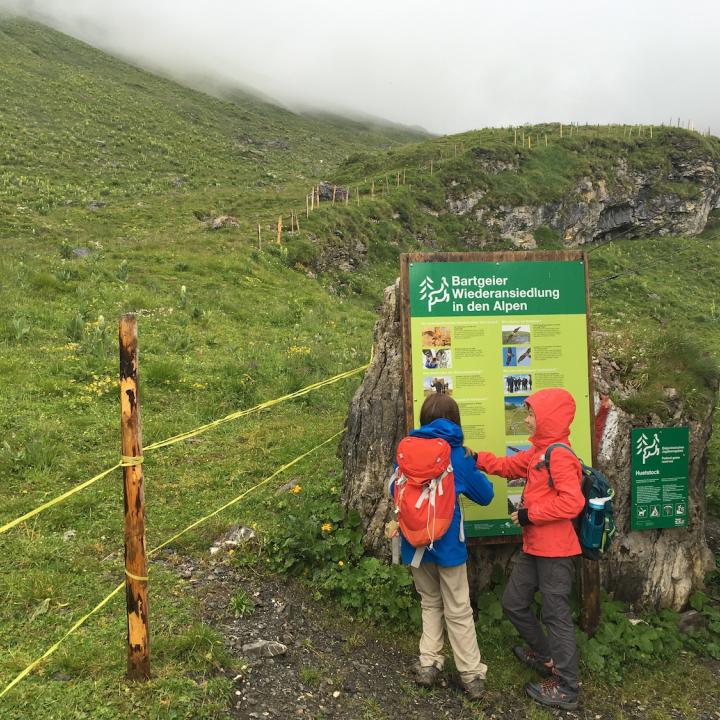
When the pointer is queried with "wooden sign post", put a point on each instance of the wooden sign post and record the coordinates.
(136, 590)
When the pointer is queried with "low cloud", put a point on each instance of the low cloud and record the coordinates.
(448, 67)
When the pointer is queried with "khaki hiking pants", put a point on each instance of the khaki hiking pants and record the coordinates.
(444, 593)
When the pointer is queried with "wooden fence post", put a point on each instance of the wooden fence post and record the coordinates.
(136, 590)
(259, 238)
(334, 192)
(357, 195)
(279, 229)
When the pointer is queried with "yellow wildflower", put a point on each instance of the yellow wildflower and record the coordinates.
(326, 527)
(296, 489)
(341, 563)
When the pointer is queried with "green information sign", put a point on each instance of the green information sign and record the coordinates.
(659, 474)
(489, 333)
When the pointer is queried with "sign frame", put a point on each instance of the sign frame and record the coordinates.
(589, 571)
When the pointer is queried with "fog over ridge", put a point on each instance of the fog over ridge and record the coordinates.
(448, 68)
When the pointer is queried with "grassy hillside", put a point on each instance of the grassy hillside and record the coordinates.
(103, 171)
(83, 127)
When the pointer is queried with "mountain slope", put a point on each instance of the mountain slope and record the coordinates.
(84, 126)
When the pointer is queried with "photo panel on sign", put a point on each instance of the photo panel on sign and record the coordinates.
(515, 413)
(517, 383)
(516, 335)
(437, 359)
(438, 384)
(511, 450)
(523, 356)
(436, 337)
(509, 356)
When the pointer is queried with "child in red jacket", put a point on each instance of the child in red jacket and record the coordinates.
(550, 543)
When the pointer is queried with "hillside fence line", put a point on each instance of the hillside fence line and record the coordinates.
(381, 183)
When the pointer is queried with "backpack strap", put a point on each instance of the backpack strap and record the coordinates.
(545, 462)
(417, 557)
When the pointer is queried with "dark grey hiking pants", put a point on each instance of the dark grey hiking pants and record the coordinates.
(553, 578)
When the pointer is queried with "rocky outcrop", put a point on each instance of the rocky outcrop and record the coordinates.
(329, 192)
(375, 425)
(657, 568)
(675, 199)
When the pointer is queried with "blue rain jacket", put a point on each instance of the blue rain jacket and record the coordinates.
(450, 550)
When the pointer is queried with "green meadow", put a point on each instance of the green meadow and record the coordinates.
(107, 174)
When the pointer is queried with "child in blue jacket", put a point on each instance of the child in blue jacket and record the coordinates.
(441, 578)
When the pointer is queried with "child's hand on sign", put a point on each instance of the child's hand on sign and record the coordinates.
(514, 518)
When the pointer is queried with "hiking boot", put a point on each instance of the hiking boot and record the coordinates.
(530, 658)
(552, 693)
(426, 675)
(474, 689)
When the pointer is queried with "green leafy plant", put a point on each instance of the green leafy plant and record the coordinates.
(21, 328)
(76, 328)
(123, 272)
(241, 603)
(321, 543)
(310, 675)
(99, 338)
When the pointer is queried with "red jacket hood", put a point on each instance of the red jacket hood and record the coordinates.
(554, 410)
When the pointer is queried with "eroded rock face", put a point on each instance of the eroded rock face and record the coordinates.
(657, 201)
(656, 568)
(375, 425)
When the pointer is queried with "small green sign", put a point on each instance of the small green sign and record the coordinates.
(659, 475)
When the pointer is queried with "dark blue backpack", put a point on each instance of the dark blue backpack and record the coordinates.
(595, 525)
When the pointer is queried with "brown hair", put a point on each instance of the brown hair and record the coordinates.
(439, 405)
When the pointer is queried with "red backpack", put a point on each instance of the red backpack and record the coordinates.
(424, 491)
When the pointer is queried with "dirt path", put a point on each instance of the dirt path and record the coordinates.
(333, 668)
(292, 657)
